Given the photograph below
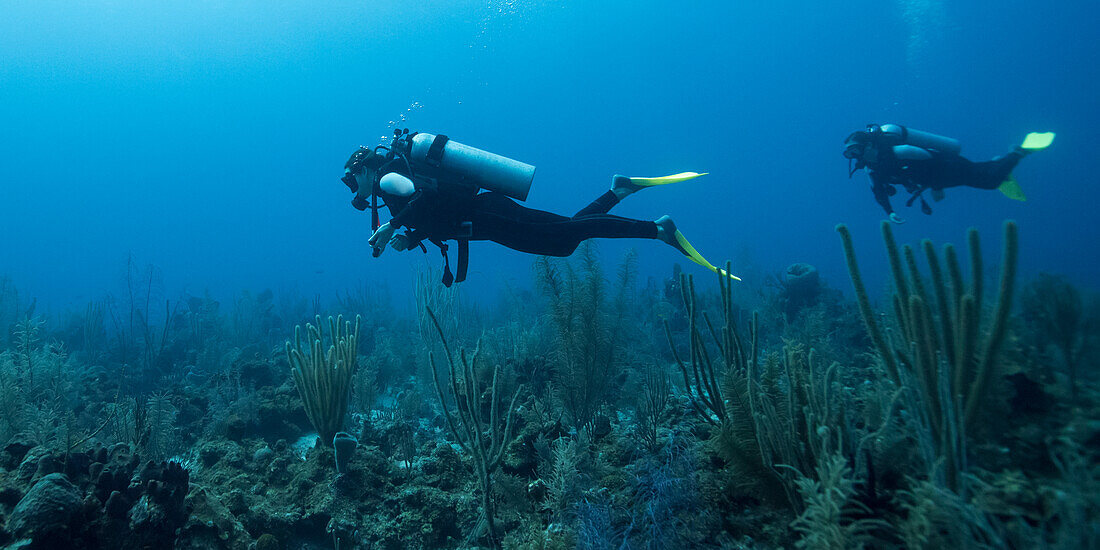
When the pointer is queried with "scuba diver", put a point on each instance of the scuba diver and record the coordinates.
(431, 186)
(920, 161)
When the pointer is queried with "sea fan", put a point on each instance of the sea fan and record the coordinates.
(160, 415)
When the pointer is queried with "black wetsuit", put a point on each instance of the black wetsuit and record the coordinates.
(438, 211)
(939, 172)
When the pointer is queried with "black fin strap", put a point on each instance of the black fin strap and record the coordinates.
(435, 152)
(463, 259)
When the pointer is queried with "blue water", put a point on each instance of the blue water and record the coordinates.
(208, 139)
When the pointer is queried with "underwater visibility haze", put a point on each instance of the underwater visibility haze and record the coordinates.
(206, 343)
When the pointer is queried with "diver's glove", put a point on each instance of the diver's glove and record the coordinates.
(400, 242)
(894, 217)
(380, 237)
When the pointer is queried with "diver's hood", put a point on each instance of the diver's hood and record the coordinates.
(855, 143)
(364, 157)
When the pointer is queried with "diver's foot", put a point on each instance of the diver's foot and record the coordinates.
(622, 186)
(666, 232)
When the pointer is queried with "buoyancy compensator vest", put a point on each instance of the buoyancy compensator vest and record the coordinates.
(448, 162)
(910, 144)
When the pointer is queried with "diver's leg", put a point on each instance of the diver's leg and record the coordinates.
(605, 226)
(562, 238)
(621, 187)
(601, 205)
(990, 174)
(498, 218)
(505, 208)
(538, 232)
(957, 171)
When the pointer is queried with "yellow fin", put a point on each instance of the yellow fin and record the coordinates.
(1011, 189)
(698, 258)
(1037, 141)
(674, 178)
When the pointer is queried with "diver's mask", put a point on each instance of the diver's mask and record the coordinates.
(854, 147)
(855, 144)
(859, 148)
(350, 181)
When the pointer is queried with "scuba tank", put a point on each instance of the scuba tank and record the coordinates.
(482, 168)
(900, 135)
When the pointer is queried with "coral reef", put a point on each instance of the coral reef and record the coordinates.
(781, 415)
(96, 499)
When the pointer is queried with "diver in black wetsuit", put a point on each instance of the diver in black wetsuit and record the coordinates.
(919, 161)
(431, 185)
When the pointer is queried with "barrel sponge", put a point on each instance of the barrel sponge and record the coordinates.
(802, 274)
(803, 284)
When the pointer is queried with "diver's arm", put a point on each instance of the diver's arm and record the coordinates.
(400, 242)
(417, 203)
(385, 233)
(881, 190)
(415, 237)
(380, 238)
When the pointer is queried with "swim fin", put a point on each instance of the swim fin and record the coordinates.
(664, 180)
(634, 184)
(1037, 141)
(673, 237)
(1011, 189)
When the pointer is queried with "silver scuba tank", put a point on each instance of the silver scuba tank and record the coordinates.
(900, 135)
(486, 170)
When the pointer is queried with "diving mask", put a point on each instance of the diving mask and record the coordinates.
(349, 180)
(855, 144)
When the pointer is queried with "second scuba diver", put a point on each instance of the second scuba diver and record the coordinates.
(431, 184)
(919, 161)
